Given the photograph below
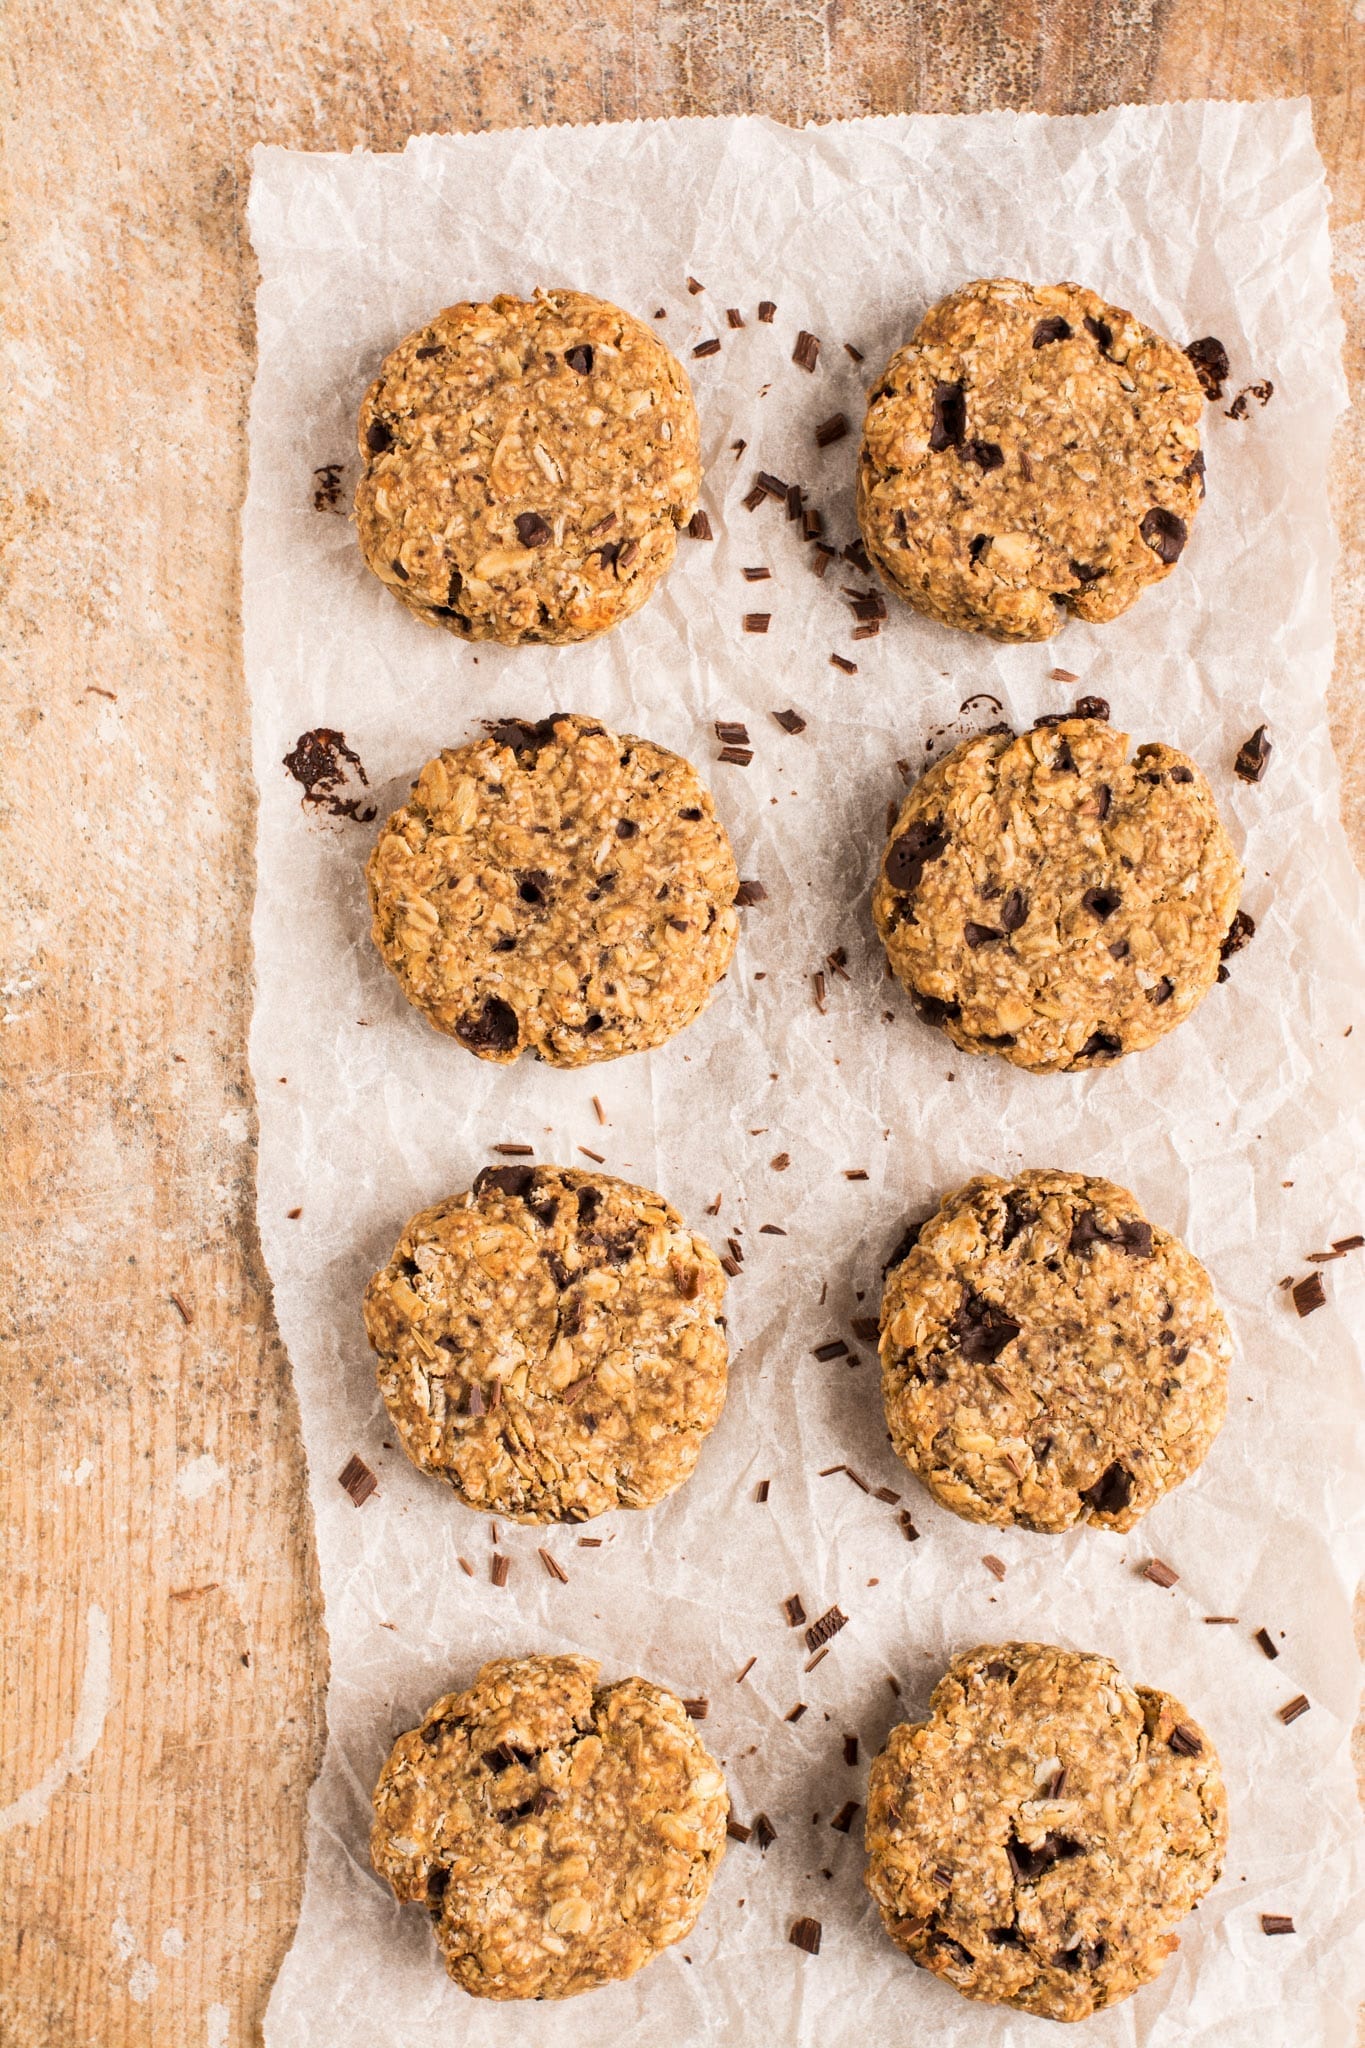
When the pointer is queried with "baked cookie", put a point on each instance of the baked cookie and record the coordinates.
(527, 466)
(1037, 1838)
(556, 889)
(558, 1831)
(1031, 452)
(1048, 1355)
(551, 1344)
(1047, 899)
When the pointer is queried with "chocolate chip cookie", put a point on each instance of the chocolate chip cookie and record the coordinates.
(527, 466)
(1032, 452)
(559, 1832)
(1048, 1355)
(556, 889)
(1035, 1841)
(551, 1344)
(1047, 899)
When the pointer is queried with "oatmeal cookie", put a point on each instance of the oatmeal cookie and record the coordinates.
(551, 1344)
(1035, 1840)
(556, 889)
(1048, 1355)
(527, 466)
(559, 1832)
(1047, 899)
(1031, 452)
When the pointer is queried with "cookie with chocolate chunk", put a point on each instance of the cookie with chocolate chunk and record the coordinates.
(551, 1343)
(1037, 1839)
(556, 889)
(1048, 1355)
(528, 463)
(1030, 454)
(559, 1832)
(1045, 898)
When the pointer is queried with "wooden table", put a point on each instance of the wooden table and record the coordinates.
(151, 1484)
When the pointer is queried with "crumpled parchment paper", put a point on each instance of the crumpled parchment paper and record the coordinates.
(1241, 1132)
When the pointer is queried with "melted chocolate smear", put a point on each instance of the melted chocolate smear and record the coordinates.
(520, 734)
(982, 1330)
(1164, 532)
(949, 428)
(494, 1028)
(322, 761)
(1054, 328)
(908, 856)
(1211, 365)
(1111, 1492)
(987, 455)
(508, 1180)
(589, 1202)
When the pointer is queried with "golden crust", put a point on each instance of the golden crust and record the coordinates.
(556, 889)
(551, 1344)
(1047, 899)
(1049, 1356)
(1031, 453)
(1035, 1841)
(559, 1832)
(527, 466)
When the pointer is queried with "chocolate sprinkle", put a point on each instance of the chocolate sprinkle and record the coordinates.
(356, 1479)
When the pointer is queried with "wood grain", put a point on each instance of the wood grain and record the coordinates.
(151, 1467)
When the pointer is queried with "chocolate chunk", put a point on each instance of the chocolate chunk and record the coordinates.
(1101, 903)
(1101, 1045)
(520, 734)
(438, 1879)
(790, 721)
(1014, 911)
(494, 1028)
(1162, 991)
(1182, 775)
(1030, 1859)
(987, 455)
(1084, 572)
(1211, 366)
(1253, 756)
(378, 437)
(356, 1479)
(1111, 1492)
(765, 1834)
(805, 1934)
(982, 1329)
(1239, 933)
(1102, 331)
(795, 1612)
(1164, 532)
(580, 358)
(1104, 797)
(1309, 1293)
(949, 427)
(707, 348)
(935, 1011)
(979, 544)
(843, 1819)
(533, 529)
(806, 354)
(1277, 1923)
(1053, 328)
(699, 526)
(908, 856)
(1091, 707)
(1019, 1214)
(516, 1181)
(831, 430)
(981, 935)
(534, 886)
(907, 1244)
(1185, 1741)
(1267, 1643)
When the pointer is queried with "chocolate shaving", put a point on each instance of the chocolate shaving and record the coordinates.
(1309, 1293)
(1253, 756)
(805, 1934)
(829, 1624)
(996, 1566)
(514, 1151)
(831, 430)
(766, 310)
(736, 1830)
(740, 1676)
(761, 1491)
(1185, 1740)
(733, 316)
(855, 1173)
(731, 732)
(1267, 1643)
(356, 1479)
(1277, 1923)
(790, 721)
(835, 1348)
(757, 622)
(749, 893)
(794, 1611)
(696, 1709)
(843, 1819)
(708, 348)
(738, 757)
(699, 526)
(1159, 1573)
(499, 1569)
(806, 354)
(1294, 1709)
(850, 1750)
(796, 1712)
(850, 668)
(754, 498)
(765, 1834)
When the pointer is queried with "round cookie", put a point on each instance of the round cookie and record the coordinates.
(1037, 1838)
(1031, 452)
(551, 1344)
(1048, 1355)
(559, 1832)
(527, 466)
(1047, 899)
(556, 889)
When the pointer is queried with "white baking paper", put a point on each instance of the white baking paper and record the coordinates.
(1241, 1132)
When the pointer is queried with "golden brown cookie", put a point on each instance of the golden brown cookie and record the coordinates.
(1047, 899)
(1048, 1355)
(556, 889)
(559, 1832)
(1032, 452)
(527, 466)
(1035, 1841)
(551, 1344)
